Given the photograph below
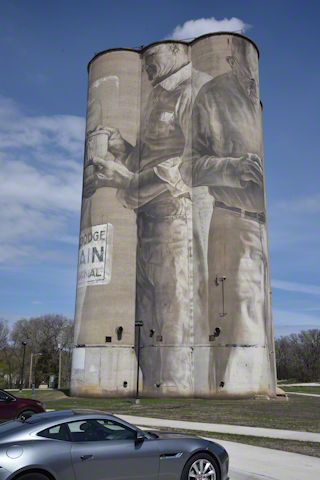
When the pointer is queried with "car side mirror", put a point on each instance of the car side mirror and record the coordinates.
(8, 399)
(140, 436)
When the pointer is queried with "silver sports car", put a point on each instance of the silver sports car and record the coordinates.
(91, 445)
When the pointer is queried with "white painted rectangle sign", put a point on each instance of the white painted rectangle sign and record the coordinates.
(95, 255)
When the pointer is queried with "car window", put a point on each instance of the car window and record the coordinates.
(96, 430)
(58, 432)
(3, 395)
(75, 427)
(111, 425)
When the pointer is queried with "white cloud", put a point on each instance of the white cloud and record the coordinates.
(294, 230)
(14, 253)
(23, 184)
(295, 287)
(71, 239)
(286, 322)
(200, 26)
(312, 309)
(304, 205)
(41, 175)
(18, 130)
(21, 223)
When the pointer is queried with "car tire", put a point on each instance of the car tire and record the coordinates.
(26, 414)
(193, 466)
(33, 476)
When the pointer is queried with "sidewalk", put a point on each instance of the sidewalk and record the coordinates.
(248, 462)
(312, 384)
(218, 428)
(304, 394)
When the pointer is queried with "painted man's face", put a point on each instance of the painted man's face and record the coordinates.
(158, 64)
(155, 62)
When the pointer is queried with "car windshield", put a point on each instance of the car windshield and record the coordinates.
(4, 395)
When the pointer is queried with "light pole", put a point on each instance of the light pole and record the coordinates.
(31, 365)
(22, 366)
(138, 324)
(60, 355)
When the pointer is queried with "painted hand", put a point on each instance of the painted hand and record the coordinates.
(117, 145)
(250, 169)
(111, 174)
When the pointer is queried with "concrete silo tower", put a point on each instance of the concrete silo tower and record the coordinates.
(173, 225)
(104, 357)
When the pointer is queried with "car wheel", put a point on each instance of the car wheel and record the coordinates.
(26, 414)
(201, 466)
(33, 476)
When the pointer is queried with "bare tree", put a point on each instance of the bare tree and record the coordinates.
(298, 356)
(4, 365)
(4, 333)
(44, 335)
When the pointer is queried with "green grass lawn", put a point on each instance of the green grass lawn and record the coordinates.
(299, 413)
(315, 390)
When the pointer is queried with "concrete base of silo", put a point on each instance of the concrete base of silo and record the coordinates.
(104, 371)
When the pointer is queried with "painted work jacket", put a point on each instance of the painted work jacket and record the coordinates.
(163, 137)
(225, 127)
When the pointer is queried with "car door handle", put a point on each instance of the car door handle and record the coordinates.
(86, 457)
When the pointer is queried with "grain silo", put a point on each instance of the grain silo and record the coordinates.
(173, 226)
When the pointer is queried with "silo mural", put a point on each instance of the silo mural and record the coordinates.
(173, 225)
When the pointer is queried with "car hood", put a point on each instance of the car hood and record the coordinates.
(31, 401)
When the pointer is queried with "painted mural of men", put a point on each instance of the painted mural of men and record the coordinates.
(148, 179)
(226, 156)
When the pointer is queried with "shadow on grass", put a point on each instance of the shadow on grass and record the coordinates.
(66, 391)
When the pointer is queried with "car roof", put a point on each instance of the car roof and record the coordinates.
(88, 411)
(47, 416)
(60, 415)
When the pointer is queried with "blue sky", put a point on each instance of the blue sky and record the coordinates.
(44, 49)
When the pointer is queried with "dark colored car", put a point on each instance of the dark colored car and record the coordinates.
(91, 445)
(15, 407)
